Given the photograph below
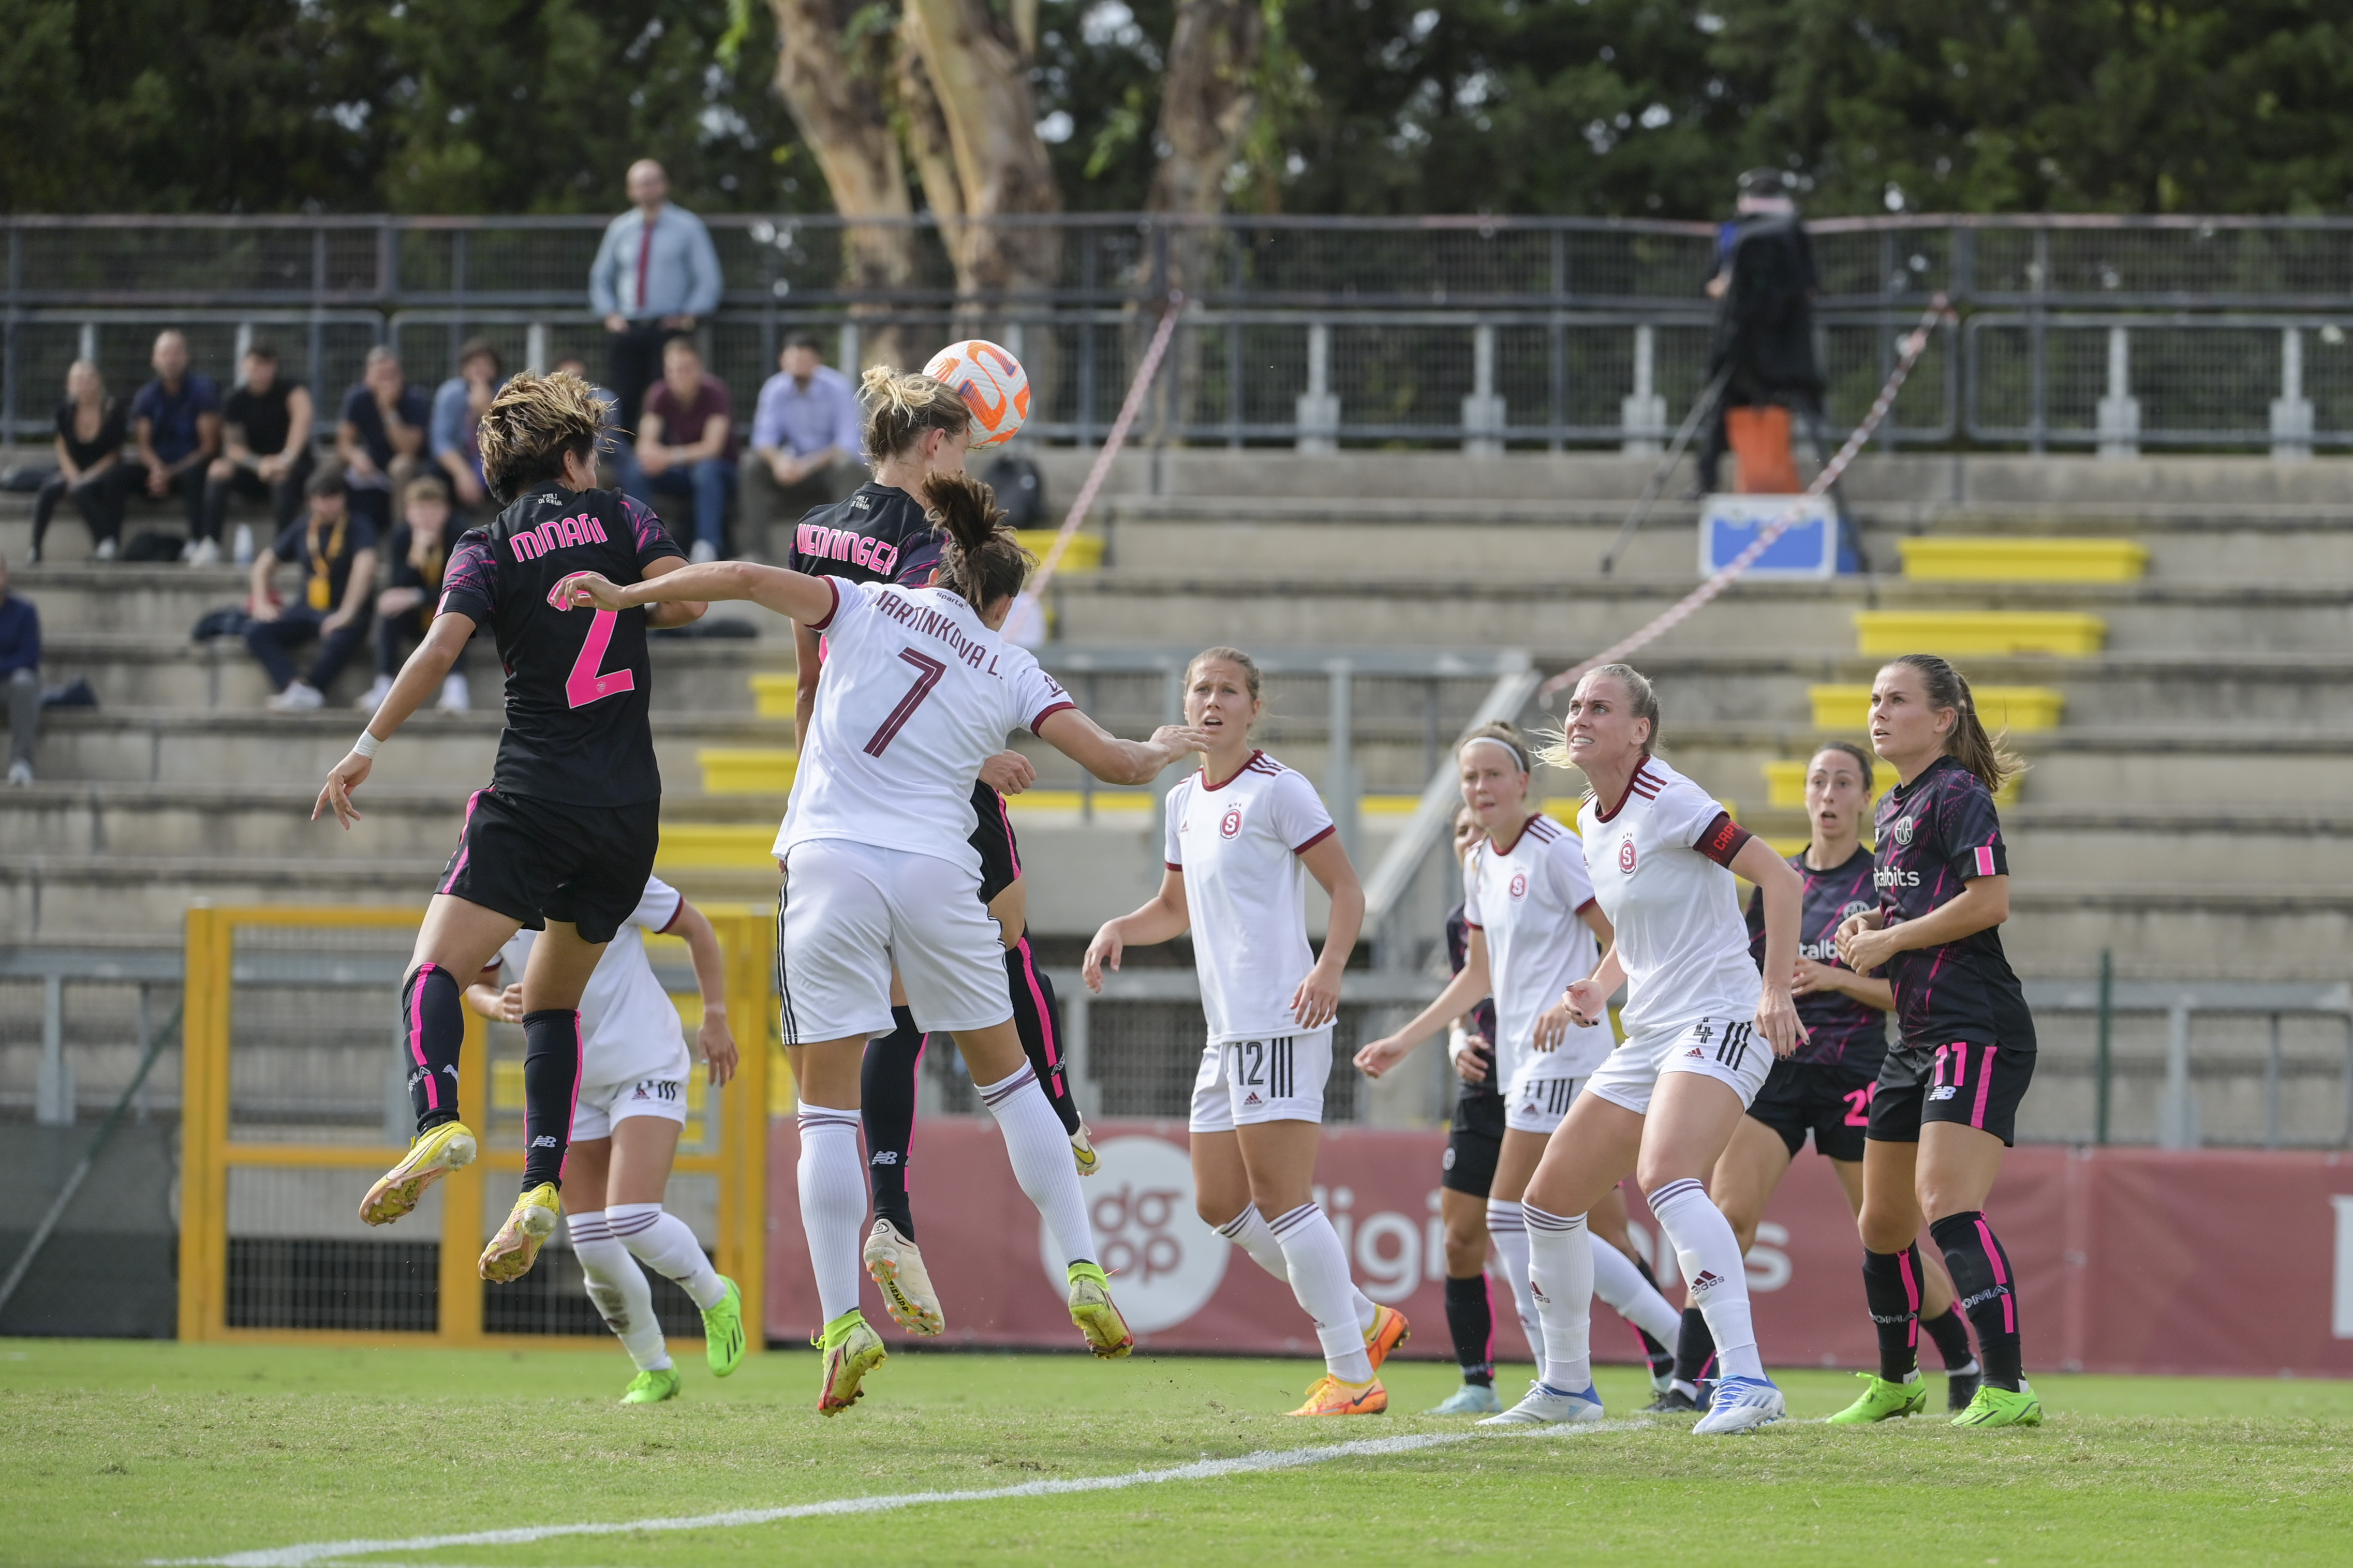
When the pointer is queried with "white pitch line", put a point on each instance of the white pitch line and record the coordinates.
(1203, 1470)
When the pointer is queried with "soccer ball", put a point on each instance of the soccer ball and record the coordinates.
(992, 385)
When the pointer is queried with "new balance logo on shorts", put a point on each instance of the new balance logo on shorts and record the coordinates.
(884, 1157)
(1943, 1091)
(543, 1142)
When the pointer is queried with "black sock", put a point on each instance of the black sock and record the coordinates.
(1891, 1290)
(1033, 1015)
(432, 1029)
(1694, 1347)
(1984, 1285)
(887, 1095)
(1952, 1337)
(1471, 1318)
(1662, 1359)
(551, 1089)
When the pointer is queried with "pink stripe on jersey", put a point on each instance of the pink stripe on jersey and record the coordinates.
(1985, 859)
(1985, 1086)
(465, 851)
(1012, 845)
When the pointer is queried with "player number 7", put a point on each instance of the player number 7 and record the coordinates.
(929, 673)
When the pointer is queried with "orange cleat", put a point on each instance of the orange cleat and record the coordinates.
(1389, 1331)
(1332, 1397)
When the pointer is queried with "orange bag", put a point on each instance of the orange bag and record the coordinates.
(1760, 441)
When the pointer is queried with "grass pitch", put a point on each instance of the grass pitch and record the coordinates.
(115, 1452)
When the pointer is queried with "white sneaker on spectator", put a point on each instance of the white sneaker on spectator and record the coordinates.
(188, 552)
(204, 553)
(297, 699)
(105, 551)
(373, 698)
(20, 775)
(455, 698)
(701, 552)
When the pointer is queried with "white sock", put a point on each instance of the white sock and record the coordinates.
(1560, 1264)
(1510, 1233)
(1318, 1266)
(1250, 1231)
(833, 1205)
(1718, 1279)
(617, 1287)
(1616, 1282)
(1040, 1152)
(665, 1244)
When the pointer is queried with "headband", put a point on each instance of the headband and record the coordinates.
(1517, 756)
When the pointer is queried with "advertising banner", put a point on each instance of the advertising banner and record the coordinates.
(2129, 1260)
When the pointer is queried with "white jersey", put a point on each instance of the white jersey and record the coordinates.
(917, 694)
(1238, 845)
(1526, 899)
(629, 1029)
(1676, 912)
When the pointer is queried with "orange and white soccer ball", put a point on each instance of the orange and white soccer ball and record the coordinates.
(992, 385)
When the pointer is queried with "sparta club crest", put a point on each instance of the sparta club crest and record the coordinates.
(1232, 822)
(1626, 856)
(1519, 884)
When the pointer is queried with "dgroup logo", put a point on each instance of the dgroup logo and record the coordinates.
(1165, 1263)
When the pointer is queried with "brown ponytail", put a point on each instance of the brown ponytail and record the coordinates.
(1987, 756)
(980, 557)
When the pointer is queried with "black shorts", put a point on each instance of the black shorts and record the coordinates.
(539, 860)
(1473, 1145)
(1966, 1082)
(1000, 856)
(1829, 1100)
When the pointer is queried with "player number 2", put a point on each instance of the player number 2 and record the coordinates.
(929, 672)
(584, 685)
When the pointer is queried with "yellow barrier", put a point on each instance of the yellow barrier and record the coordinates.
(1987, 632)
(1085, 553)
(747, 770)
(773, 695)
(2019, 708)
(210, 1152)
(1995, 560)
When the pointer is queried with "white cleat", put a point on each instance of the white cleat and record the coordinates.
(897, 1270)
(1742, 1404)
(1083, 1150)
(1547, 1408)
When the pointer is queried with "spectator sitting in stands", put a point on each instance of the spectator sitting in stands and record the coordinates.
(618, 457)
(805, 437)
(686, 443)
(655, 276)
(91, 428)
(381, 438)
(177, 418)
(418, 550)
(457, 406)
(267, 428)
(336, 548)
(20, 671)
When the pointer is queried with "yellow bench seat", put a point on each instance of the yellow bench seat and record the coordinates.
(1085, 553)
(1990, 632)
(747, 770)
(1978, 559)
(773, 695)
(2015, 708)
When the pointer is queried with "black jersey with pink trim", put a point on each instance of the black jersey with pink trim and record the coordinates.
(1935, 835)
(1838, 1028)
(879, 535)
(578, 681)
(1481, 1019)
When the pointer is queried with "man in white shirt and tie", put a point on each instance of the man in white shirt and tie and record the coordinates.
(655, 277)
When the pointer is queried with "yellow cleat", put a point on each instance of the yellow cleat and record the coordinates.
(851, 1349)
(431, 1156)
(515, 1248)
(1097, 1317)
(1083, 1150)
(1330, 1397)
(1389, 1331)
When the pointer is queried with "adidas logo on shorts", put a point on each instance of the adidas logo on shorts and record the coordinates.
(1695, 1054)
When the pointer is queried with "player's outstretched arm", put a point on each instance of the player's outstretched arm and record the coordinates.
(716, 1043)
(672, 612)
(1161, 918)
(793, 594)
(1115, 760)
(418, 679)
(1465, 991)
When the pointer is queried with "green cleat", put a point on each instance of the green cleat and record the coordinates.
(652, 1387)
(1884, 1401)
(722, 1331)
(2001, 1407)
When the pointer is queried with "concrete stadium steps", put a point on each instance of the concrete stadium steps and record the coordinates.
(2133, 844)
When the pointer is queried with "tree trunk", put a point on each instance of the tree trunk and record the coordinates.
(838, 104)
(924, 130)
(973, 59)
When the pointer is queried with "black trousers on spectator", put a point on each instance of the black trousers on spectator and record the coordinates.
(295, 626)
(188, 484)
(635, 364)
(285, 497)
(397, 635)
(98, 497)
(24, 714)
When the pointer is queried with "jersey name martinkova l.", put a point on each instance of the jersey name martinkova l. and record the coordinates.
(1526, 897)
(1238, 845)
(629, 1031)
(916, 695)
(1675, 910)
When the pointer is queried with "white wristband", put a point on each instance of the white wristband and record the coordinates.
(366, 746)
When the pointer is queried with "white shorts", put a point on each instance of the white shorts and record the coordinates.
(603, 1104)
(849, 911)
(1244, 1082)
(1730, 1051)
(1536, 1103)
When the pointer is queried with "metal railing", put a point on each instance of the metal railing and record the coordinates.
(2107, 332)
